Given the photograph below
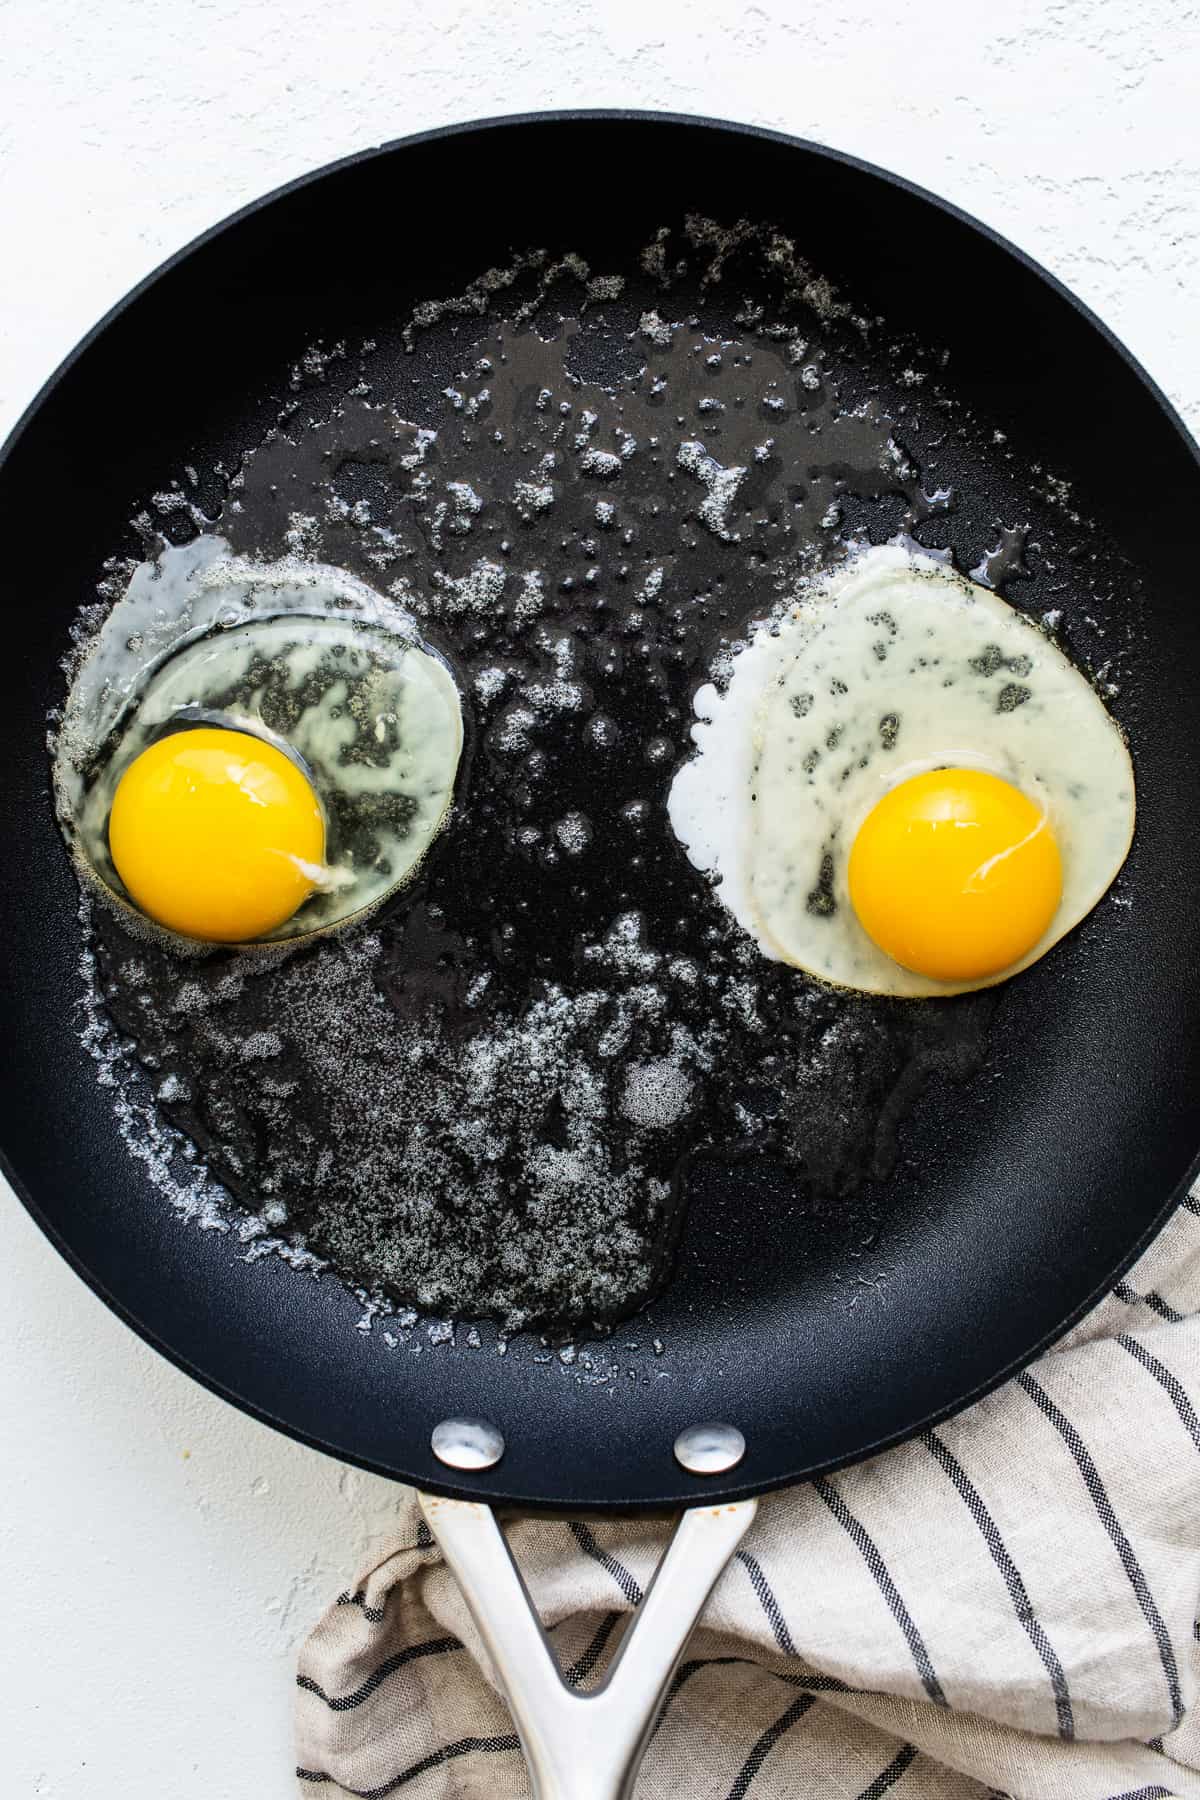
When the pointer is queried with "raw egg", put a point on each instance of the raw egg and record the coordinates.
(905, 787)
(254, 750)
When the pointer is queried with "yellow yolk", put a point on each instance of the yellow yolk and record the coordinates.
(216, 834)
(955, 874)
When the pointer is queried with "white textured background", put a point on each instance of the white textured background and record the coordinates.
(160, 1556)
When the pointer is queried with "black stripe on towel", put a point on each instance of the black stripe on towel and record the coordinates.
(891, 1774)
(1146, 1793)
(374, 1614)
(583, 1665)
(767, 1601)
(1017, 1591)
(1165, 1379)
(1154, 1301)
(1108, 1518)
(812, 1684)
(447, 1753)
(345, 1702)
(617, 1570)
(767, 1743)
(870, 1554)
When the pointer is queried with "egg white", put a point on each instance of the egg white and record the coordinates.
(891, 665)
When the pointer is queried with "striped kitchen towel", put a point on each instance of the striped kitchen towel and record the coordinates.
(1004, 1607)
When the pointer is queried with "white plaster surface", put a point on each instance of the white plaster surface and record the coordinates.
(160, 1555)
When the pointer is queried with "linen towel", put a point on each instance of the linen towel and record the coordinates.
(1005, 1606)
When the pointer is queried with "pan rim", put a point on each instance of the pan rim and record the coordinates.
(697, 1492)
(694, 1490)
(615, 115)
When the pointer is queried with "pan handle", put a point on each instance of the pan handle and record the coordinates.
(583, 1746)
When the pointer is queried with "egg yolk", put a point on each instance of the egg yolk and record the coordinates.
(955, 874)
(216, 834)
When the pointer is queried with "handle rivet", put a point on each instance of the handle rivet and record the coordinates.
(710, 1449)
(467, 1444)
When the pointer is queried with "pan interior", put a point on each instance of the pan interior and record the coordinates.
(820, 1325)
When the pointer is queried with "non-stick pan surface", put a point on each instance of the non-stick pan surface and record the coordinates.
(1019, 1194)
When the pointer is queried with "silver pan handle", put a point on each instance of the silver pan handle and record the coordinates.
(583, 1746)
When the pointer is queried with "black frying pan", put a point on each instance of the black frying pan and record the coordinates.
(1018, 1198)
